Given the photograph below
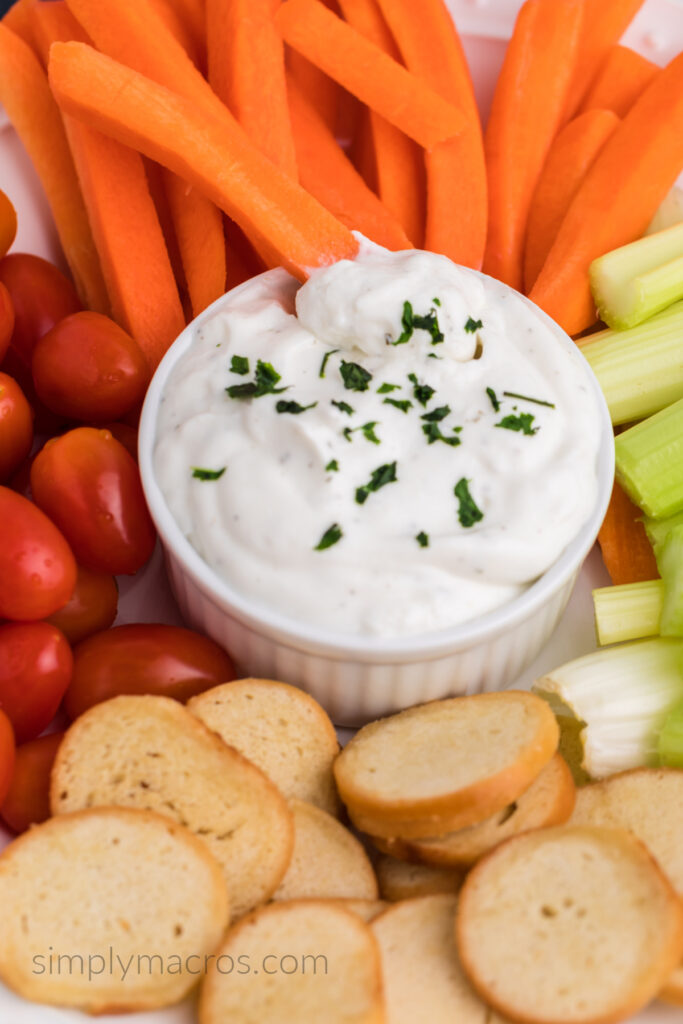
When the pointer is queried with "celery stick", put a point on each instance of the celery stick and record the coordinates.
(640, 371)
(657, 530)
(649, 462)
(670, 565)
(669, 212)
(638, 280)
(671, 739)
(623, 695)
(628, 612)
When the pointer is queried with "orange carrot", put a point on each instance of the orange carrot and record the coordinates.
(367, 72)
(247, 71)
(617, 200)
(199, 233)
(243, 261)
(604, 23)
(318, 87)
(18, 20)
(456, 172)
(53, 22)
(623, 77)
(179, 28)
(626, 551)
(214, 155)
(30, 106)
(331, 177)
(527, 110)
(575, 148)
(192, 14)
(398, 161)
(156, 180)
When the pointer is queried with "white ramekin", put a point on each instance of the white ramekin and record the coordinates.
(358, 678)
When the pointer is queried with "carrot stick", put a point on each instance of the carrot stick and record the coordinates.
(18, 20)
(331, 177)
(575, 148)
(623, 77)
(53, 22)
(156, 180)
(604, 23)
(398, 161)
(30, 106)
(626, 551)
(199, 233)
(367, 72)
(456, 172)
(247, 71)
(318, 87)
(213, 155)
(617, 200)
(179, 28)
(527, 110)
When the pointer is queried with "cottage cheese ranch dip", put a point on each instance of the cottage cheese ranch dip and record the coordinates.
(397, 446)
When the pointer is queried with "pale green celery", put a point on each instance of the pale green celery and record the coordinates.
(669, 212)
(670, 745)
(657, 530)
(649, 462)
(640, 371)
(630, 611)
(638, 280)
(620, 697)
(670, 565)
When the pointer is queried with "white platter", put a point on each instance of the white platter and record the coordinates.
(657, 32)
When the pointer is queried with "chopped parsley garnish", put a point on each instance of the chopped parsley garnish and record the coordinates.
(207, 474)
(436, 415)
(437, 302)
(332, 466)
(468, 512)
(411, 321)
(422, 539)
(293, 407)
(239, 364)
(472, 325)
(494, 399)
(422, 392)
(324, 362)
(265, 379)
(433, 355)
(331, 535)
(520, 423)
(384, 389)
(432, 432)
(402, 404)
(355, 377)
(367, 430)
(378, 478)
(347, 432)
(343, 407)
(525, 398)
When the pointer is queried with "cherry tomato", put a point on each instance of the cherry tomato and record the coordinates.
(16, 426)
(35, 669)
(166, 661)
(125, 435)
(6, 755)
(37, 567)
(87, 368)
(28, 799)
(8, 224)
(90, 487)
(91, 607)
(6, 320)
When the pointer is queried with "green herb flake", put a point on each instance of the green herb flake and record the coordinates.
(402, 404)
(207, 474)
(473, 325)
(332, 466)
(368, 431)
(324, 362)
(436, 415)
(521, 423)
(422, 392)
(495, 402)
(468, 511)
(406, 324)
(437, 302)
(343, 407)
(379, 477)
(348, 433)
(525, 398)
(355, 377)
(422, 539)
(293, 407)
(265, 379)
(239, 364)
(331, 536)
(432, 432)
(384, 389)
(411, 322)
(433, 355)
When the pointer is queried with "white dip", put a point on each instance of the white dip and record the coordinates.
(406, 555)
